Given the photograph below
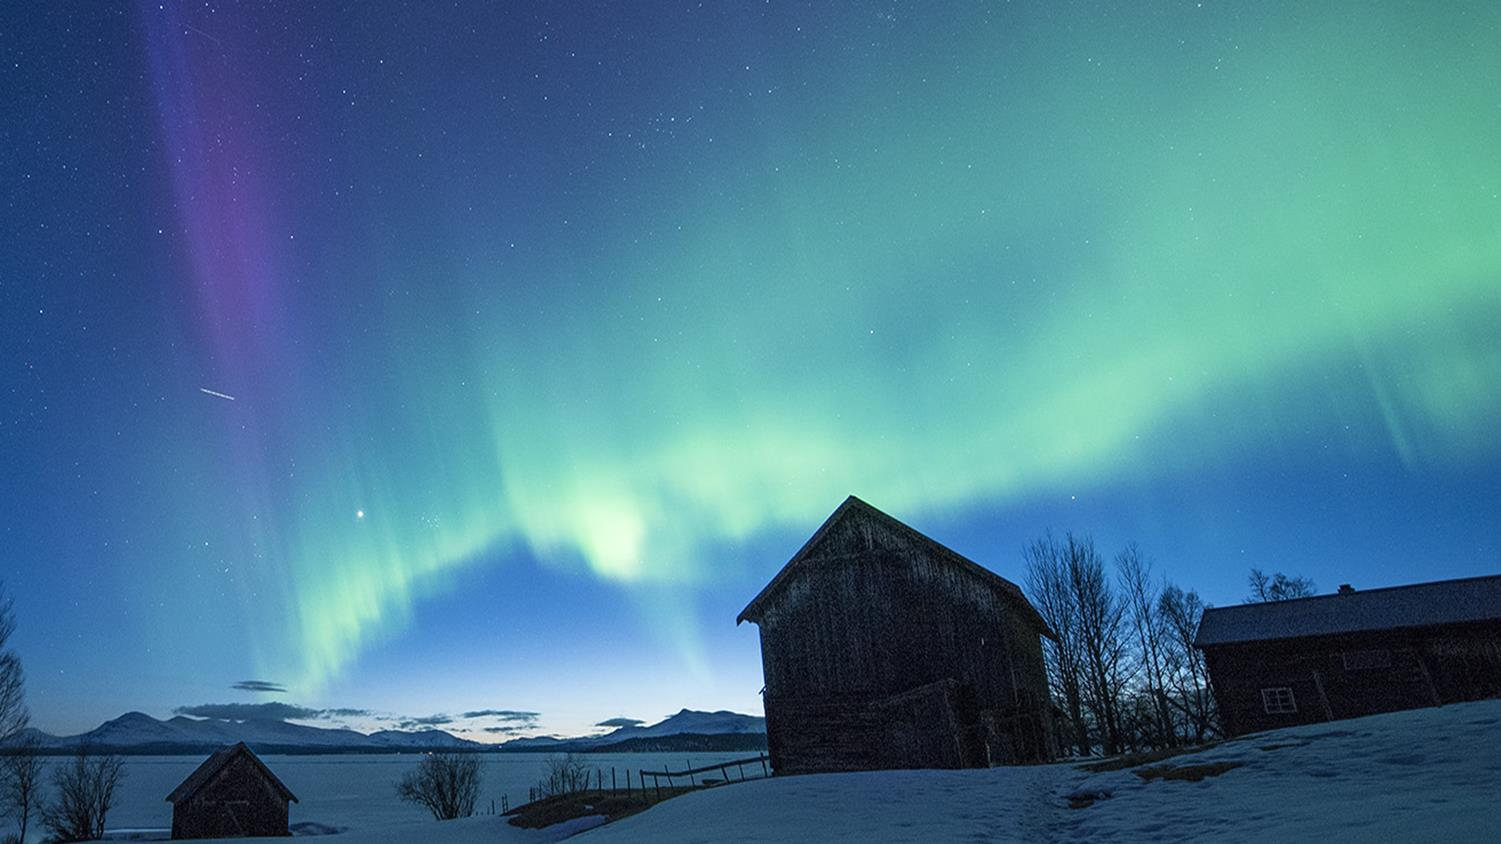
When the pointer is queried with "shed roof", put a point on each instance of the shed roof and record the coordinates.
(212, 765)
(1441, 602)
(854, 507)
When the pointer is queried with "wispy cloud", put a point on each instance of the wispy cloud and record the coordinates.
(513, 715)
(620, 722)
(259, 686)
(346, 713)
(425, 721)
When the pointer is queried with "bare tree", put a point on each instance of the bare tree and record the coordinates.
(1103, 643)
(20, 785)
(13, 714)
(85, 790)
(565, 775)
(446, 783)
(1185, 674)
(1141, 596)
(1048, 581)
(1277, 587)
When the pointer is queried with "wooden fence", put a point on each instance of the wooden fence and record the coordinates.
(674, 779)
(697, 780)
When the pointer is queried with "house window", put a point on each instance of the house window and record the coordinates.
(1278, 701)
(1367, 660)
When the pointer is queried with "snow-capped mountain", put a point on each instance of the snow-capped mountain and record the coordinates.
(685, 722)
(137, 731)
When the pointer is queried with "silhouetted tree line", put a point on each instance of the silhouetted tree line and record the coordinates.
(1124, 673)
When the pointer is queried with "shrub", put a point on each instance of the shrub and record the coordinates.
(446, 783)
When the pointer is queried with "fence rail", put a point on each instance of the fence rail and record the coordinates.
(596, 777)
(722, 767)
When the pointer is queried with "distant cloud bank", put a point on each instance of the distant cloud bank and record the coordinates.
(512, 721)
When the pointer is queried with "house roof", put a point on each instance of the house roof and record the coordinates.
(853, 506)
(212, 765)
(1417, 605)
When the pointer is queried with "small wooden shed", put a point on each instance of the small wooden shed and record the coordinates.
(1353, 653)
(232, 794)
(882, 648)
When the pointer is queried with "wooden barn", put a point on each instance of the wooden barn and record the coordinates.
(231, 794)
(883, 649)
(1353, 653)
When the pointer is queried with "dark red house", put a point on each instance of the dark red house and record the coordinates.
(882, 648)
(1353, 653)
(231, 794)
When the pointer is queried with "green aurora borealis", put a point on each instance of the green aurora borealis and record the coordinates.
(938, 256)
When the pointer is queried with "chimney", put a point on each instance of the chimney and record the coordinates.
(1346, 589)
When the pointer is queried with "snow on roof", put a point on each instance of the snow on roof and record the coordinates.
(1417, 605)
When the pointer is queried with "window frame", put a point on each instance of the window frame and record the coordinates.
(1279, 700)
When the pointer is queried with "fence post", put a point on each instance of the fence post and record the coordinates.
(764, 772)
(612, 780)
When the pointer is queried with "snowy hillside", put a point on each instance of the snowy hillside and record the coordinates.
(685, 722)
(1424, 775)
(136, 731)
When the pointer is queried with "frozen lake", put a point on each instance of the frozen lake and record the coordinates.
(358, 791)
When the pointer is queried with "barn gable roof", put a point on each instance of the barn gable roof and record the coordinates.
(1469, 600)
(853, 507)
(216, 762)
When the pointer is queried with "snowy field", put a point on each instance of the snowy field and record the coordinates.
(358, 791)
(1421, 776)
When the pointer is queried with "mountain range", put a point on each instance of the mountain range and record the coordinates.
(139, 733)
(687, 730)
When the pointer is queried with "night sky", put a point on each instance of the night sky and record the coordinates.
(433, 358)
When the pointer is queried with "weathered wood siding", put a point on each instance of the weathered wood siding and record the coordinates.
(916, 729)
(872, 616)
(238, 801)
(1348, 676)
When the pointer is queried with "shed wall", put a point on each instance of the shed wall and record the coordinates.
(238, 801)
(1348, 676)
(870, 618)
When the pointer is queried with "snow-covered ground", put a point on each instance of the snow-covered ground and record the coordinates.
(356, 792)
(1418, 776)
(477, 830)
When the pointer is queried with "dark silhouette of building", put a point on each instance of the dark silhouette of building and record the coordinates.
(231, 794)
(1357, 652)
(883, 649)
